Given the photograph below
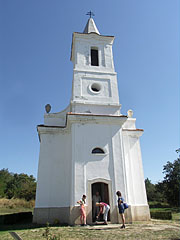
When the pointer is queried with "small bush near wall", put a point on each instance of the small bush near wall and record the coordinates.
(165, 215)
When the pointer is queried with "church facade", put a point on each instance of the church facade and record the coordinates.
(90, 146)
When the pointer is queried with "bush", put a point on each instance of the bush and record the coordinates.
(165, 215)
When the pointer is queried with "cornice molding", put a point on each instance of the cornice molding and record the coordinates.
(136, 133)
(99, 71)
(81, 118)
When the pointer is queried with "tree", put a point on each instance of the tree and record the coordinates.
(21, 186)
(5, 177)
(13, 185)
(150, 190)
(153, 193)
(171, 182)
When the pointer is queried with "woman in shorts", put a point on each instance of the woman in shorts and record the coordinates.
(121, 207)
(82, 210)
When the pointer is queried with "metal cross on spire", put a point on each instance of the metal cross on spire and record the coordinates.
(90, 14)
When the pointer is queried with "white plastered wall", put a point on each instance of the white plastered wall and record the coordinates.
(136, 192)
(56, 119)
(82, 44)
(54, 171)
(82, 88)
(106, 100)
(88, 166)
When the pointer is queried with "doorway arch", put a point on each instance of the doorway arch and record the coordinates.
(104, 187)
(100, 193)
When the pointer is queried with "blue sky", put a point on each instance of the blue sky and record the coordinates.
(35, 69)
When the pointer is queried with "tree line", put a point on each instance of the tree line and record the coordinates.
(13, 185)
(168, 190)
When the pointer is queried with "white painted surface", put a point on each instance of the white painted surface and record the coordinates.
(54, 171)
(93, 119)
(91, 27)
(134, 168)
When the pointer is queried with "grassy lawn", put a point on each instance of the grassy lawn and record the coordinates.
(4, 211)
(8, 206)
(154, 229)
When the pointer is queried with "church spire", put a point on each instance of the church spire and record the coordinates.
(91, 26)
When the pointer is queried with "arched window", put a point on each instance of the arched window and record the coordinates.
(98, 151)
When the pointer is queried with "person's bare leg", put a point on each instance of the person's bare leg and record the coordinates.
(123, 220)
(81, 219)
(85, 219)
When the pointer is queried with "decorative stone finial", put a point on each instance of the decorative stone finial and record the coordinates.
(48, 108)
(130, 113)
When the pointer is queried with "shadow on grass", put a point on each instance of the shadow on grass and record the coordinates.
(21, 226)
(26, 226)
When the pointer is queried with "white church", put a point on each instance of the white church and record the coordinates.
(90, 146)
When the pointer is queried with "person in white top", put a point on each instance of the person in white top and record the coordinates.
(104, 209)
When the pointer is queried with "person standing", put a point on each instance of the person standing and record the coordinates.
(82, 210)
(104, 209)
(121, 207)
(96, 198)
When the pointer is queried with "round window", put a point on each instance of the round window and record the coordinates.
(95, 87)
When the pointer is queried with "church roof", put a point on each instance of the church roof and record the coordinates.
(91, 27)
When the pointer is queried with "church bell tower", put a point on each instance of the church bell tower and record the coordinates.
(95, 88)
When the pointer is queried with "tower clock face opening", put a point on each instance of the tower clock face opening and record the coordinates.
(95, 87)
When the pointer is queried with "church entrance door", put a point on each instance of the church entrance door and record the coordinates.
(100, 193)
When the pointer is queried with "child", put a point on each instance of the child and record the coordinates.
(121, 208)
(104, 208)
(82, 210)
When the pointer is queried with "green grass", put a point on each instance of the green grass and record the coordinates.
(156, 204)
(151, 230)
(4, 211)
(8, 206)
(154, 229)
(173, 210)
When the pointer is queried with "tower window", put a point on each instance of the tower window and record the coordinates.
(95, 87)
(94, 57)
(98, 151)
